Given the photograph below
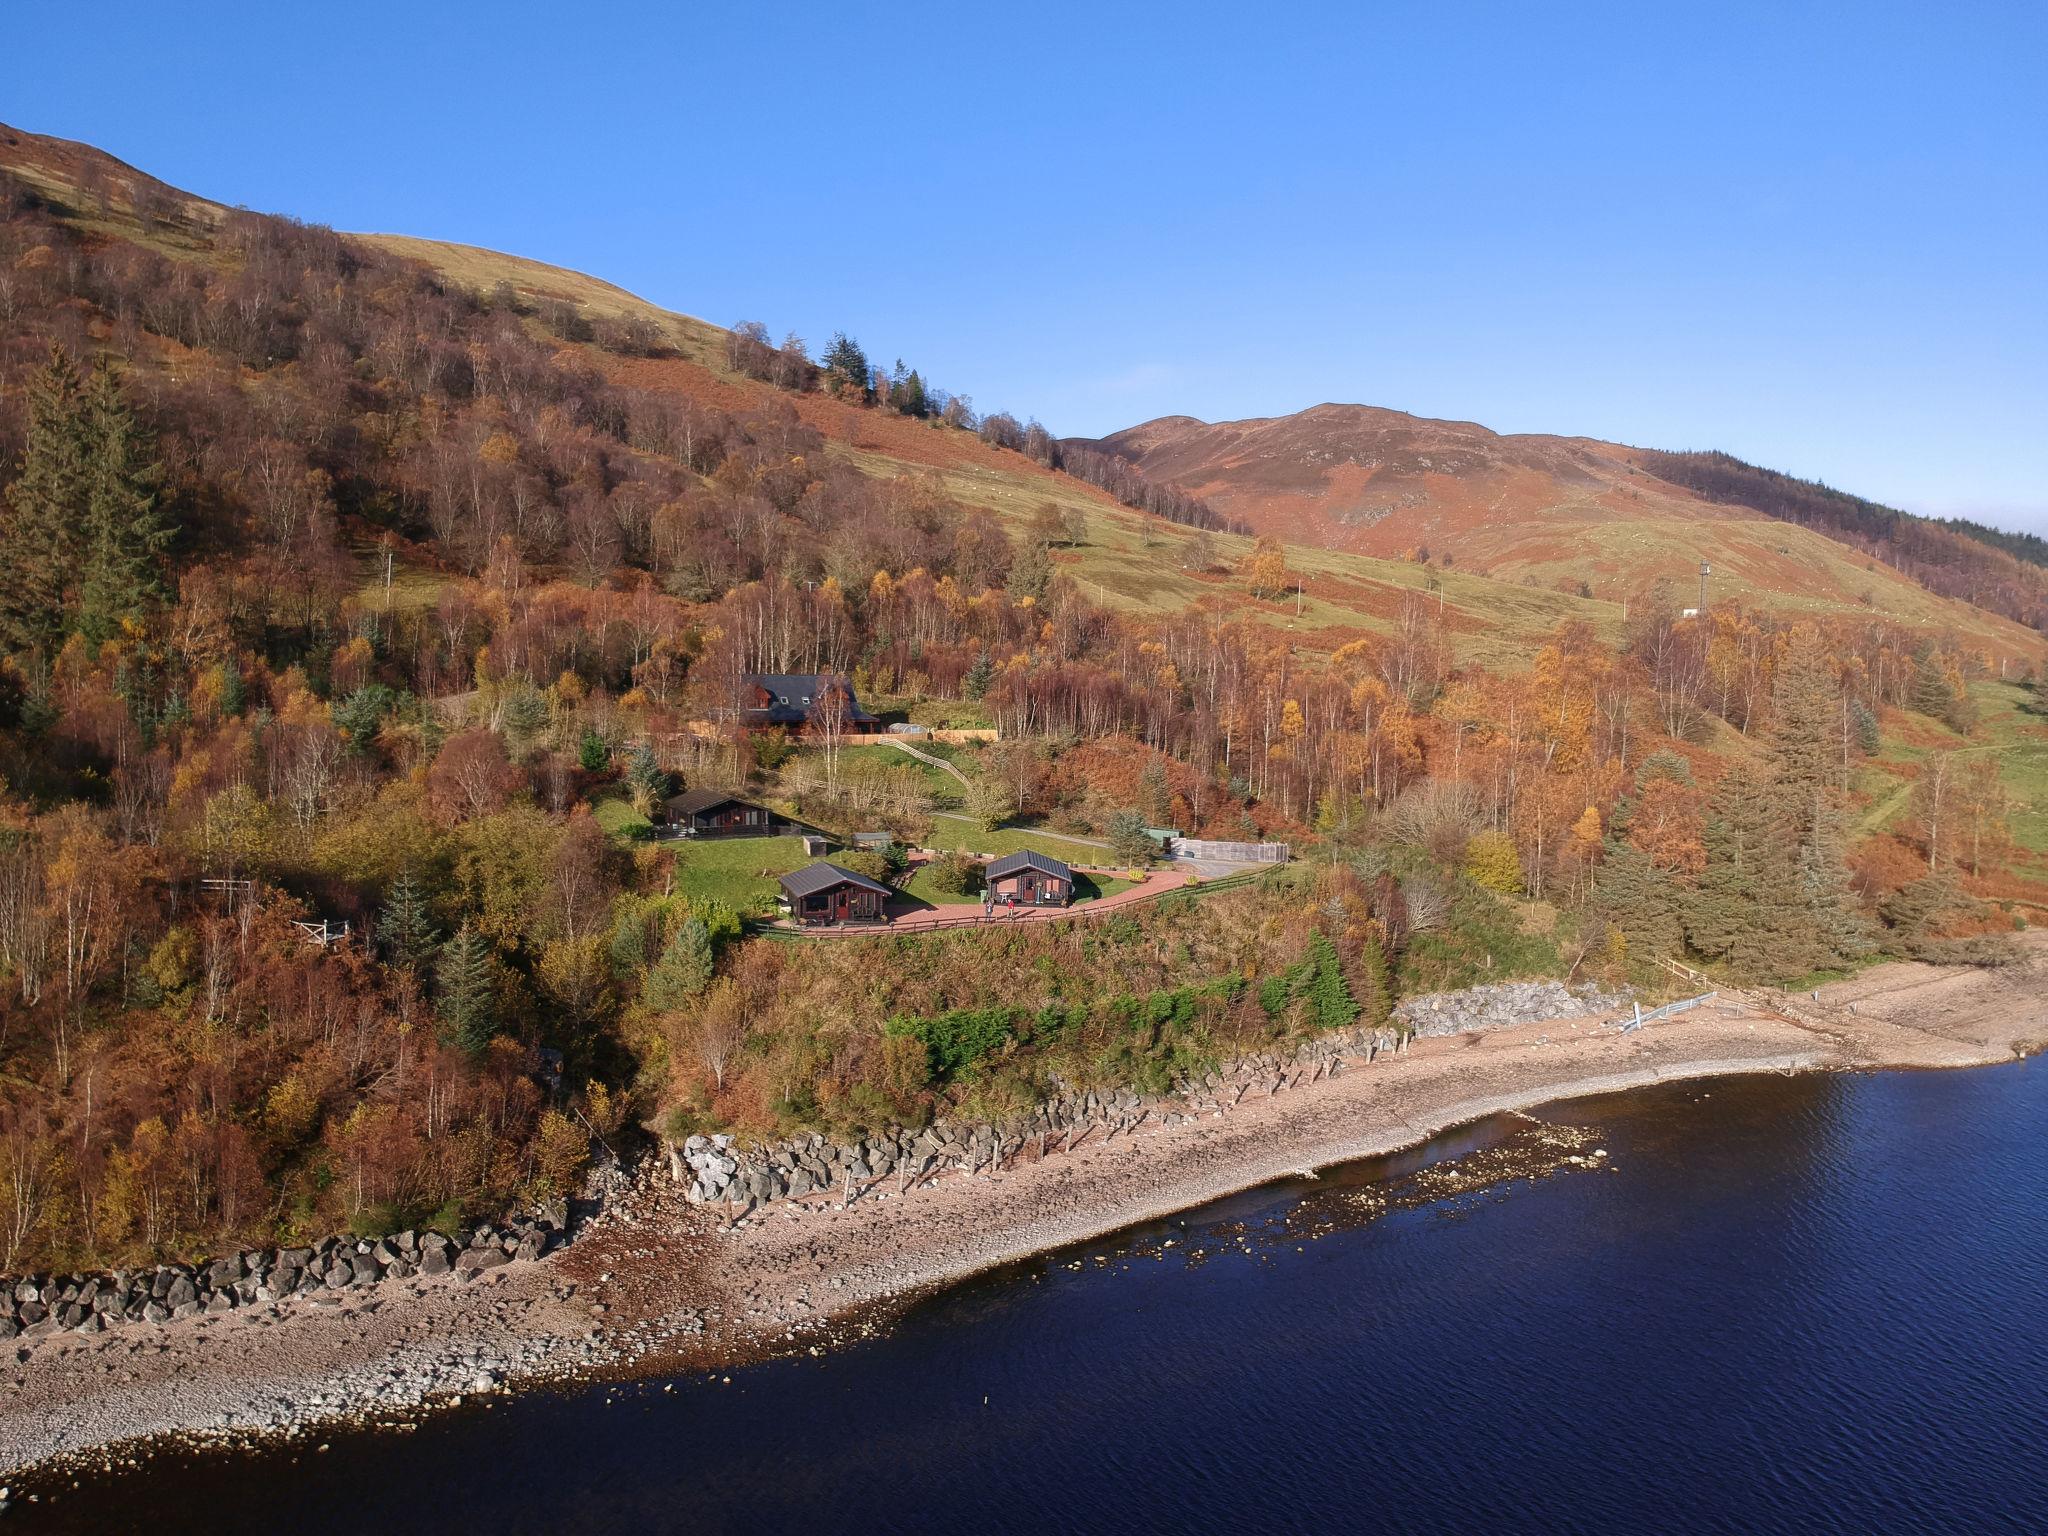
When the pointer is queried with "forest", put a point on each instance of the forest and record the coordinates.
(340, 598)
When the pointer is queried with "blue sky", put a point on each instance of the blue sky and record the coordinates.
(1811, 235)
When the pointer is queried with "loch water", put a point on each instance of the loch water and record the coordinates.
(1812, 1304)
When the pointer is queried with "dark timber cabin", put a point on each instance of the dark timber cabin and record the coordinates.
(713, 813)
(1030, 880)
(823, 893)
(791, 699)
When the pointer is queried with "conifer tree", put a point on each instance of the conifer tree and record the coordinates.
(45, 509)
(975, 684)
(126, 531)
(406, 927)
(1638, 899)
(1378, 980)
(645, 779)
(468, 977)
(1329, 996)
(683, 971)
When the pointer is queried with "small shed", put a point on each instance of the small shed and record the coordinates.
(713, 813)
(824, 893)
(816, 844)
(1029, 879)
(873, 842)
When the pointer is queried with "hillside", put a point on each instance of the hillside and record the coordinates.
(367, 600)
(1559, 511)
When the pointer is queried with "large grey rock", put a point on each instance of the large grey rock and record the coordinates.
(474, 1261)
(434, 1260)
(181, 1292)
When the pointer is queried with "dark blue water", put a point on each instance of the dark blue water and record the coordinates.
(1811, 1304)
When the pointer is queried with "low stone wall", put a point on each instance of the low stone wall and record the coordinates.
(1478, 1009)
(35, 1306)
(718, 1170)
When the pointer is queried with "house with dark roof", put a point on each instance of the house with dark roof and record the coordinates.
(1029, 879)
(714, 813)
(792, 700)
(824, 893)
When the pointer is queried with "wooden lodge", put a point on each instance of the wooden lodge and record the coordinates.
(823, 894)
(1029, 879)
(792, 700)
(713, 813)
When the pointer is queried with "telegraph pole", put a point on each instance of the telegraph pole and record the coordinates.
(1706, 570)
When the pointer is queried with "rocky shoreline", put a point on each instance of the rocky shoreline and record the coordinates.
(704, 1271)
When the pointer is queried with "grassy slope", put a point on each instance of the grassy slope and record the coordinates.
(2007, 727)
(1137, 563)
(1133, 562)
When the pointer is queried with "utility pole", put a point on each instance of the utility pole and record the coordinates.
(1706, 570)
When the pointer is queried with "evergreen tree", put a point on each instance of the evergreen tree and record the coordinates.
(1746, 861)
(234, 692)
(979, 676)
(1819, 927)
(468, 977)
(1377, 979)
(1128, 839)
(45, 509)
(646, 779)
(405, 927)
(593, 753)
(1638, 899)
(1330, 1002)
(125, 526)
(1031, 572)
(846, 367)
(683, 971)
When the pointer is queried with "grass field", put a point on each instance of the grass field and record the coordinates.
(622, 824)
(2007, 727)
(739, 871)
(961, 832)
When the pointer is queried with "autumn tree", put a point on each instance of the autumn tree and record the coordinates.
(1265, 569)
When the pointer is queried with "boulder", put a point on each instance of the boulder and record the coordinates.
(473, 1261)
(434, 1260)
(180, 1293)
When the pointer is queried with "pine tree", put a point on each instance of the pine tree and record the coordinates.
(405, 927)
(1638, 899)
(979, 676)
(45, 509)
(125, 526)
(683, 971)
(233, 691)
(1813, 921)
(468, 977)
(1331, 1004)
(645, 779)
(1378, 980)
(1746, 860)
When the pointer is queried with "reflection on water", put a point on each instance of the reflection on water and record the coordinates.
(1810, 1303)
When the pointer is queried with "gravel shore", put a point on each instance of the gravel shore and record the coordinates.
(655, 1282)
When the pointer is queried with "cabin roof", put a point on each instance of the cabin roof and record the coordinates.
(791, 696)
(692, 802)
(823, 876)
(1027, 858)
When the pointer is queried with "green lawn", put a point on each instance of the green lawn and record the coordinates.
(615, 813)
(962, 832)
(739, 871)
